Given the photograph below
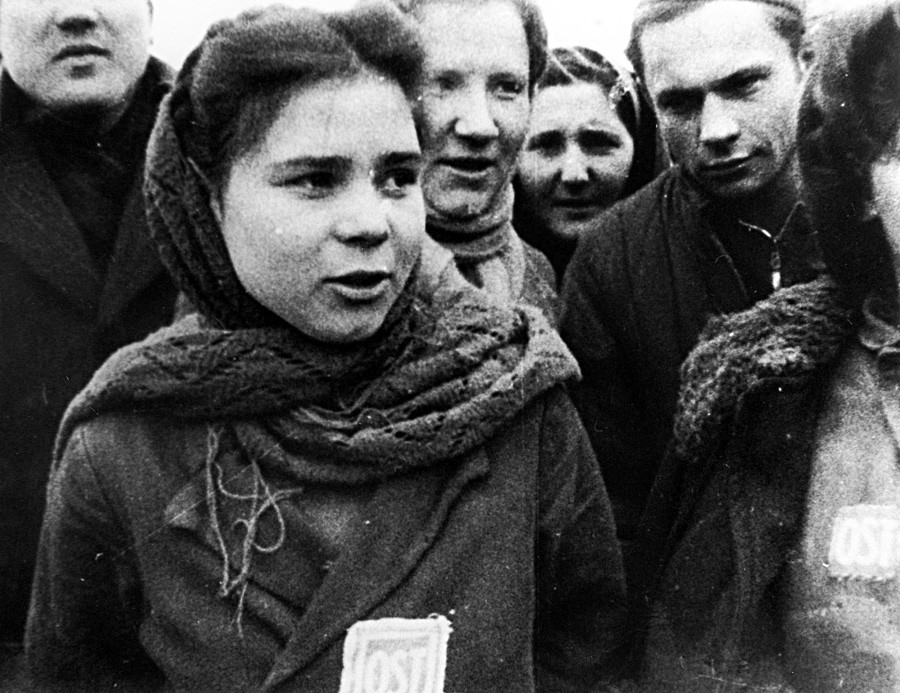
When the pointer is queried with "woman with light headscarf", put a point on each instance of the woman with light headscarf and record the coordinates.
(593, 140)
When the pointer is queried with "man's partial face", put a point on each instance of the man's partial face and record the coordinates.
(726, 86)
(76, 55)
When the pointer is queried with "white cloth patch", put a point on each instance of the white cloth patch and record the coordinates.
(865, 543)
(396, 655)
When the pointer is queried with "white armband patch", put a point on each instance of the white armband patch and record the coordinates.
(396, 655)
(865, 543)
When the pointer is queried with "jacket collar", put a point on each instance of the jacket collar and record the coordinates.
(791, 334)
(36, 226)
(403, 519)
(796, 242)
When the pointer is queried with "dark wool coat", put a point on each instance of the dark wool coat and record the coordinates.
(725, 515)
(637, 293)
(59, 320)
(513, 543)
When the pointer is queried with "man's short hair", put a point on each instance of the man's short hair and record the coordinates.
(786, 17)
(532, 23)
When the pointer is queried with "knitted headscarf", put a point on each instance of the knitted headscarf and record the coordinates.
(227, 70)
(445, 372)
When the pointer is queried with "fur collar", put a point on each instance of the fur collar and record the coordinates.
(791, 334)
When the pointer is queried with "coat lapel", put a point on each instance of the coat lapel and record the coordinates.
(134, 264)
(767, 485)
(403, 519)
(38, 228)
(398, 525)
(35, 224)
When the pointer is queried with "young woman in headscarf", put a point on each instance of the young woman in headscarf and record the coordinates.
(780, 514)
(348, 470)
(482, 62)
(592, 141)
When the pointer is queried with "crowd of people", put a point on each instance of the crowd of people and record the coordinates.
(391, 351)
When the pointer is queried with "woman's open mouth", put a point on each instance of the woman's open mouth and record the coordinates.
(361, 285)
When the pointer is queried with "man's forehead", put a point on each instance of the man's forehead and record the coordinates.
(709, 44)
(710, 74)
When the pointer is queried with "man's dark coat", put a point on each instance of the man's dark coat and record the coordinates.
(60, 317)
(637, 293)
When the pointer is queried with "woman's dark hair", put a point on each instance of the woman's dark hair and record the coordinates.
(227, 95)
(234, 84)
(532, 23)
(848, 119)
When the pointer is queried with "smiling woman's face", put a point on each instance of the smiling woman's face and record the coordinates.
(576, 159)
(324, 220)
(474, 102)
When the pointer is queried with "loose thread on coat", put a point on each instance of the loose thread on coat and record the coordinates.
(262, 499)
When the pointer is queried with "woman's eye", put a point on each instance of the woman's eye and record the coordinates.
(598, 142)
(548, 144)
(397, 182)
(509, 88)
(314, 183)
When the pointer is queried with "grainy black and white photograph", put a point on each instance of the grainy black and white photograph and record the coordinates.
(450, 346)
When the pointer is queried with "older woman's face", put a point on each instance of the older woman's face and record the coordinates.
(324, 220)
(576, 159)
(474, 102)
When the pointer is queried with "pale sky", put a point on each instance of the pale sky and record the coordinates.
(602, 24)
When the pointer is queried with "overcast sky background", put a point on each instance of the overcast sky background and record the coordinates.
(603, 24)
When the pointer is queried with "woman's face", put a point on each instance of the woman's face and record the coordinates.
(576, 159)
(474, 102)
(324, 219)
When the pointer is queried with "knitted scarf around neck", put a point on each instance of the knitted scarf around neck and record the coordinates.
(445, 372)
(487, 250)
(435, 384)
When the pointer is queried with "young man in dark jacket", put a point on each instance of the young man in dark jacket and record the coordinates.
(713, 235)
(78, 277)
